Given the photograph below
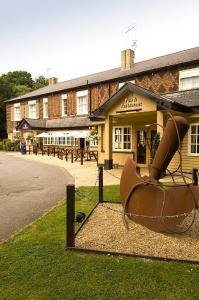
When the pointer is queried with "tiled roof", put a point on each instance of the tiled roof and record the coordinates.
(178, 58)
(65, 123)
(188, 98)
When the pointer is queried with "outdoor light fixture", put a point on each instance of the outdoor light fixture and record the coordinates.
(80, 216)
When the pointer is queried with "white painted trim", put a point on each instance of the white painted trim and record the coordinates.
(113, 138)
(64, 96)
(189, 140)
(189, 73)
(45, 100)
(82, 93)
(17, 105)
(78, 95)
(31, 102)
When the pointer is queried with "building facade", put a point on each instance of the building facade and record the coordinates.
(120, 103)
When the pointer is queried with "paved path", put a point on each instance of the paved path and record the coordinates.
(27, 190)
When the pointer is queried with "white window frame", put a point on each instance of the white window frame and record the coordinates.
(187, 74)
(60, 141)
(82, 96)
(45, 113)
(121, 84)
(63, 99)
(94, 142)
(189, 139)
(17, 116)
(113, 138)
(30, 104)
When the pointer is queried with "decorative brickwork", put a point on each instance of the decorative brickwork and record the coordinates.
(161, 82)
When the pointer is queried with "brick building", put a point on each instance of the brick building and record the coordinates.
(166, 83)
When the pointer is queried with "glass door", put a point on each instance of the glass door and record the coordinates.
(141, 147)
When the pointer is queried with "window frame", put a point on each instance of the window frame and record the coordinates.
(187, 74)
(45, 100)
(189, 139)
(63, 99)
(83, 95)
(94, 142)
(30, 104)
(18, 106)
(113, 138)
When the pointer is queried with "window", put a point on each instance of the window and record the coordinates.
(64, 105)
(17, 112)
(45, 107)
(32, 109)
(194, 139)
(94, 142)
(189, 79)
(123, 83)
(122, 138)
(82, 103)
(64, 141)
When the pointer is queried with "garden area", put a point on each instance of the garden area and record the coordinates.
(35, 265)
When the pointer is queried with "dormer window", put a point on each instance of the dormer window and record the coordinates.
(189, 79)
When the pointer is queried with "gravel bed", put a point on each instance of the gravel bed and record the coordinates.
(105, 230)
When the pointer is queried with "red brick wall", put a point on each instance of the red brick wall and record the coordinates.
(158, 82)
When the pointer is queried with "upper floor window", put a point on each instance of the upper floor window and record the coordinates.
(32, 109)
(64, 105)
(123, 83)
(82, 102)
(122, 138)
(45, 107)
(189, 79)
(17, 112)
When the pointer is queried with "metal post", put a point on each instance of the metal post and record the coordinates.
(82, 157)
(66, 155)
(48, 150)
(101, 194)
(54, 151)
(195, 176)
(70, 215)
(71, 156)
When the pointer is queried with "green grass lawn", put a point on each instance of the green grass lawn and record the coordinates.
(35, 265)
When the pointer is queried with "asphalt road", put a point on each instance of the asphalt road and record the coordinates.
(27, 190)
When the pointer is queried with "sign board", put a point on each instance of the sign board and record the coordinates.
(24, 126)
(131, 103)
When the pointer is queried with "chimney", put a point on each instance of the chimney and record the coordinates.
(52, 80)
(127, 59)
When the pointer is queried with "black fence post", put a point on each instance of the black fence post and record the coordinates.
(82, 157)
(195, 176)
(70, 215)
(71, 156)
(100, 174)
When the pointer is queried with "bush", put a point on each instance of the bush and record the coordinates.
(8, 145)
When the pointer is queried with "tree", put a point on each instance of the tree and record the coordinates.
(40, 82)
(14, 84)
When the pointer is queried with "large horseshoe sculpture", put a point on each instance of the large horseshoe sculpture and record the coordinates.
(145, 200)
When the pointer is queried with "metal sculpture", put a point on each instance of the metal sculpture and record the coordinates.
(148, 202)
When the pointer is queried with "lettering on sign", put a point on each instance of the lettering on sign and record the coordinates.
(131, 103)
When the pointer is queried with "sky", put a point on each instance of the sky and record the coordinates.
(69, 39)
